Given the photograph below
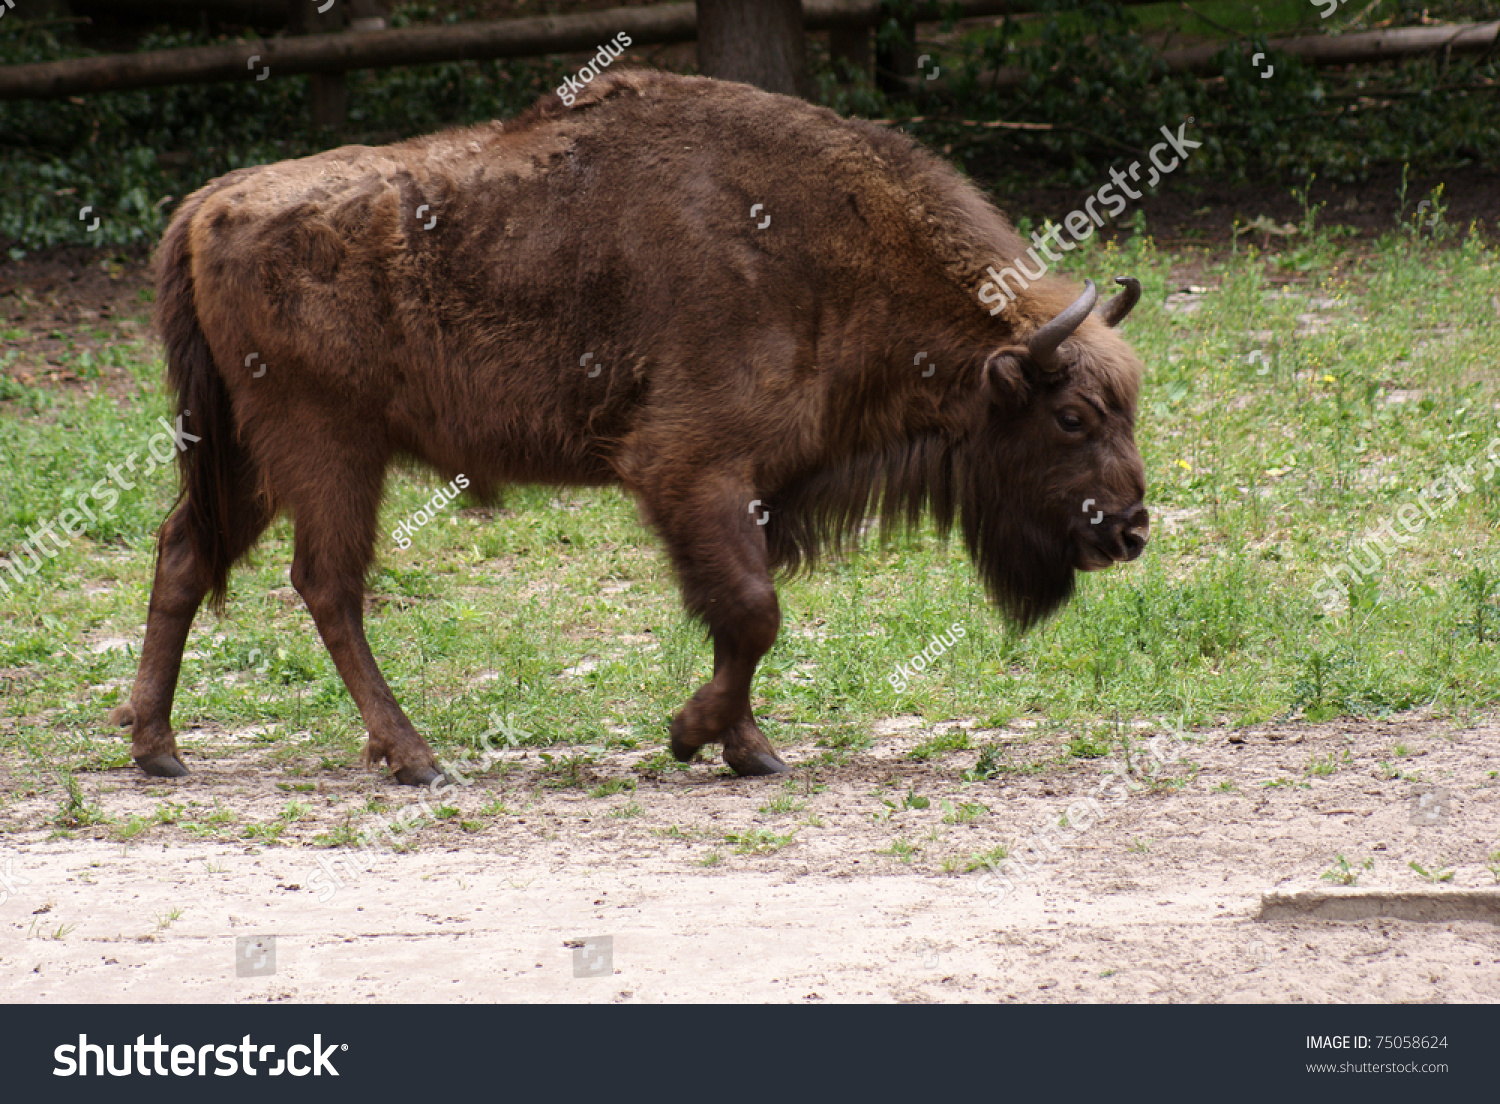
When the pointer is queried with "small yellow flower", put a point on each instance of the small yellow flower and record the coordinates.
(1184, 465)
(1329, 379)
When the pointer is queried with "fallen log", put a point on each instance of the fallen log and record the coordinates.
(1397, 44)
(331, 53)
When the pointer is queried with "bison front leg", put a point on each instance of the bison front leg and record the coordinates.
(719, 551)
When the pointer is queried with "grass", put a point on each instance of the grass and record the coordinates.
(1433, 876)
(613, 786)
(902, 850)
(963, 812)
(993, 857)
(986, 766)
(567, 771)
(133, 827)
(1328, 764)
(758, 841)
(911, 800)
(217, 824)
(955, 739)
(61, 932)
(1089, 746)
(782, 804)
(1263, 476)
(75, 810)
(1342, 873)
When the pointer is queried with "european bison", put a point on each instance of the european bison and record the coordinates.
(784, 307)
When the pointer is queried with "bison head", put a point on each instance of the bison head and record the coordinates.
(1054, 482)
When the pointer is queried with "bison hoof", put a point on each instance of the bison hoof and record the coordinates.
(683, 752)
(424, 775)
(749, 762)
(165, 765)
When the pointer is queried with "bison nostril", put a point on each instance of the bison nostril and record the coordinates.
(1134, 541)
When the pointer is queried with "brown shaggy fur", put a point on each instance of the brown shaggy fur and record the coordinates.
(319, 332)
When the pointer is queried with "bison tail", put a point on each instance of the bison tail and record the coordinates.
(216, 473)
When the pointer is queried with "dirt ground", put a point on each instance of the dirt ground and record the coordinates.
(1156, 901)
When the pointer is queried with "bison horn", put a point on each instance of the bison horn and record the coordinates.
(1114, 311)
(1043, 344)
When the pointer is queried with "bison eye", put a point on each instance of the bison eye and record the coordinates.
(1070, 422)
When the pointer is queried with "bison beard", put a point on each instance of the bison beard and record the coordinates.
(1025, 565)
(582, 297)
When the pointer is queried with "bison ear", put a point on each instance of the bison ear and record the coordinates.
(1004, 378)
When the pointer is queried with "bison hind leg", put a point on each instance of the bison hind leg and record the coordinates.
(181, 581)
(336, 503)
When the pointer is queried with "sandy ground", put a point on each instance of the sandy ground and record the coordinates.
(1155, 900)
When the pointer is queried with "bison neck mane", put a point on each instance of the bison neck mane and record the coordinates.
(1026, 568)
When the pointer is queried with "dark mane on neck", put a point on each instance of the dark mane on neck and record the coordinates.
(1027, 571)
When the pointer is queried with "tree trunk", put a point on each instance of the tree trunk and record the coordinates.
(760, 42)
(329, 91)
(851, 46)
(896, 59)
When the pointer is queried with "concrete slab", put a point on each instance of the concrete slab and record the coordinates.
(1431, 906)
